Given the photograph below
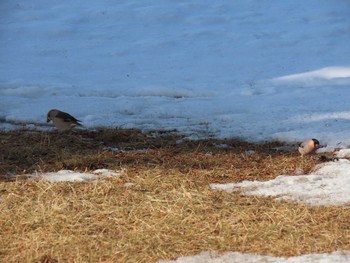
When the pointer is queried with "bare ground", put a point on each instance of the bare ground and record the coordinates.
(166, 210)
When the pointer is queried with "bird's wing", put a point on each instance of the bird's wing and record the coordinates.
(66, 117)
(302, 145)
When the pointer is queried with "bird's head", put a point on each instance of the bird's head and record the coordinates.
(50, 114)
(316, 143)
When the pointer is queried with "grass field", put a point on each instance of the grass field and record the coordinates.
(168, 211)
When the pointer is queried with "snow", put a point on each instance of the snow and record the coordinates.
(247, 69)
(236, 257)
(330, 73)
(343, 153)
(328, 185)
(107, 173)
(71, 176)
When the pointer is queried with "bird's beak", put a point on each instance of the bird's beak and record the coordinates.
(48, 120)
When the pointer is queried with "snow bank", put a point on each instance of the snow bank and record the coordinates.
(207, 69)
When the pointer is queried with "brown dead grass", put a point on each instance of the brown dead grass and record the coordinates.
(170, 211)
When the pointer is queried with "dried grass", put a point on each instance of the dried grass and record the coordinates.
(170, 211)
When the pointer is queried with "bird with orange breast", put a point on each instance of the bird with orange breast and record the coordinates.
(308, 147)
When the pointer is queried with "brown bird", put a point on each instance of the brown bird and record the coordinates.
(308, 147)
(62, 120)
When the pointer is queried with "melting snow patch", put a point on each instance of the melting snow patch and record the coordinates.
(106, 172)
(236, 257)
(66, 176)
(328, 185)
(71, 176)
(343, 153)
(325, 149)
